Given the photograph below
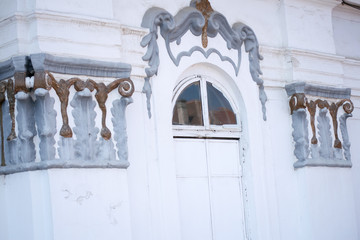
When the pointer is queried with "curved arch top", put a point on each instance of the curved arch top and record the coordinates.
(200, 19)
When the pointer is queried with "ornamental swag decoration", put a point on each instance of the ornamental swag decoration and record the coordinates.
(202, 20)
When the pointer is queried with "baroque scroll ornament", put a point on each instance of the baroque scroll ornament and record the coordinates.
(40, 112)
(327, 151)
(200, 19)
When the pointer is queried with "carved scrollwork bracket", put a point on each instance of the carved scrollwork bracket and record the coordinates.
(297, 101)
(46, 80)
(125, 88)
(326, 147)
(28, 81)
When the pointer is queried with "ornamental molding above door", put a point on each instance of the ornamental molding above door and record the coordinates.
(200, 19)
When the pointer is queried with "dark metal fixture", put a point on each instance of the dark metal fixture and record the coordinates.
(343, 2)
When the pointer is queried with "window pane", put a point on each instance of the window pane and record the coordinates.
(187, 110)
(220, 111)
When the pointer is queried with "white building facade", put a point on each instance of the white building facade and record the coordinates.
(180, 119)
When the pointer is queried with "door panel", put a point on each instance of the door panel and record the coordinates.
(190, 157)
(224, 157)
(195, 216)
(227, 208)
(209, 189)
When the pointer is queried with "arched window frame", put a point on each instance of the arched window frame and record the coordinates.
(207, 130)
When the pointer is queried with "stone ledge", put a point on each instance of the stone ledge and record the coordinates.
(78, 66)
(33, 166)
(11, 66)
(320, 91)
(64, 65)
(321, 162)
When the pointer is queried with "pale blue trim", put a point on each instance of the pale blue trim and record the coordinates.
(64, 65)
(79, 66)
(33, 166)
(11, 66)
(321, 162)
(320, 91)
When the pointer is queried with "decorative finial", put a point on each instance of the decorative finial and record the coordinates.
(205, 8)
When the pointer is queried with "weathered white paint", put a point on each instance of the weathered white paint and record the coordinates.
(66, 204)
(316, 41)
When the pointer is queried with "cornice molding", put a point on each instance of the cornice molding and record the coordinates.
(78, 66)
(320, 91)
(11, 66)
(64, 65)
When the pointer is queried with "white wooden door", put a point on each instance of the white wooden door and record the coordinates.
(209, 189)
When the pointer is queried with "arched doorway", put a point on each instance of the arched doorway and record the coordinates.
(206, 131)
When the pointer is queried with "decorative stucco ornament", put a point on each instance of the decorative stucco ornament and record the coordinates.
(27, 87)
(205, 8)
(326, 149)
(26, 127)
(45, 117)
(200, 19)
(2, 100)
(85, 130)
(119, 122)
(11, 100)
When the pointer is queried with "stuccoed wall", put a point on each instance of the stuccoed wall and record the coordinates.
(65, 204)
(315, 41)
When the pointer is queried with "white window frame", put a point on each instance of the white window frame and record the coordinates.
(230, 131)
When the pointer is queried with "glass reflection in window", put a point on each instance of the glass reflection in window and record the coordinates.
(220, 111)
(188, 110)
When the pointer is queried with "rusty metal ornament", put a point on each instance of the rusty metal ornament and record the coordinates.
(333, 108)
(125, 87)
(11, 99)
(41, 81)
(322, 103)
(101, 97)
(2, 100)
(20, 84)
(80, 85)
(348, 106)
(62, 90)
(297, 101)
(47, 81)
(205, 8)
(333, 112)
(311, 106)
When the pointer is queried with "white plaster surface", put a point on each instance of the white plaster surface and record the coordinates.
(316, 41)
(346, 31)
(66, 204)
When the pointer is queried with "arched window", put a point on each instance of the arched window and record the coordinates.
(188, 106)
(203, 104)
